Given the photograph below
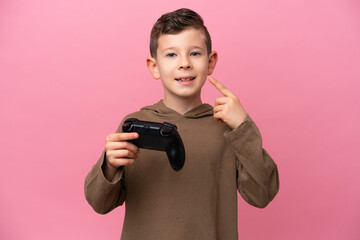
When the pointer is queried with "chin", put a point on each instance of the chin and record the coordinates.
(188, 94)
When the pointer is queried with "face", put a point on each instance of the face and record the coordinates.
(182, 63)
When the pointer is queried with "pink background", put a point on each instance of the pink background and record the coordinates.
(70, 70)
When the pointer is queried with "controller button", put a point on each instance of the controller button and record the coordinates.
(146, 128)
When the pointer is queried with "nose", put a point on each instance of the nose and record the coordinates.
(184, 63)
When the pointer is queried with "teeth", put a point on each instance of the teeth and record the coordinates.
(184, 79)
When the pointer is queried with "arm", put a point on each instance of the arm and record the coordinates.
(105, 183)
(104, 195)
(258, 178)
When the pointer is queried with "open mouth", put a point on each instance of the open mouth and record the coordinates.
(185, 79)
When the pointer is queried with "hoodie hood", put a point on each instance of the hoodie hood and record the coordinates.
(162, 111)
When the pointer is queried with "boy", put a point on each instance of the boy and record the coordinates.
(223, 149)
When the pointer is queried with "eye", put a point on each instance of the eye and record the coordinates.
(195, 54)
(171, 55)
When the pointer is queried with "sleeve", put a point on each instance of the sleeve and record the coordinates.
(103, 195)
(257, 173)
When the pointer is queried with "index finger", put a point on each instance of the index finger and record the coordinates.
(222, 89)
(117, 137)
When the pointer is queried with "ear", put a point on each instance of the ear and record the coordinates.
(153, 68)
(213, 58)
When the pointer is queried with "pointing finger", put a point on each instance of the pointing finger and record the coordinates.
(222, 89)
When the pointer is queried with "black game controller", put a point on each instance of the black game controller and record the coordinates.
(158, 136)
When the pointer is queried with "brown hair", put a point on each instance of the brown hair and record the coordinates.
(175, 22)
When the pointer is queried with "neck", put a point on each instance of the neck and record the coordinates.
(182, 105)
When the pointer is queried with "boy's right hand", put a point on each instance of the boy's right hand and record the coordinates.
(119, 151)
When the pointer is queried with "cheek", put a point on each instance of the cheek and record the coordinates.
(203, 67)
(166, 67)
(205, 63)
(166, 72)
(162, 69)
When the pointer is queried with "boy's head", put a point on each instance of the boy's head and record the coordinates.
(181, 54)
(175, 22)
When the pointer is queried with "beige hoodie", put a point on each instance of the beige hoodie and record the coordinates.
(199, 201)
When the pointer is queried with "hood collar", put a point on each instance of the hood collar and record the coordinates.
(161, 110)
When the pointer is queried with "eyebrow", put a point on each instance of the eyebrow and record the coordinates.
(169, 48)
(175, 48)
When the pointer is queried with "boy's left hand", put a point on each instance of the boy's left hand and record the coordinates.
(228, 108)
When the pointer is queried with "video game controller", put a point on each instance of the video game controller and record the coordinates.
(158, 136)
